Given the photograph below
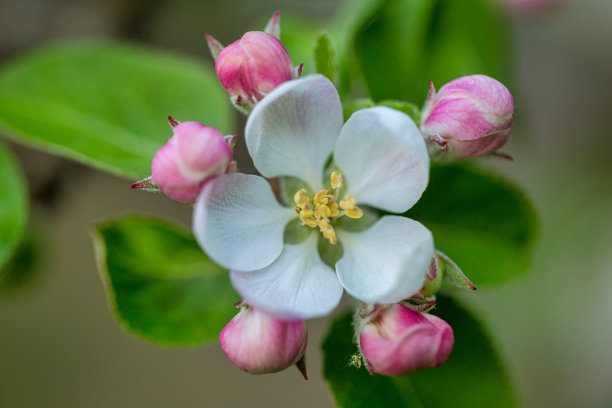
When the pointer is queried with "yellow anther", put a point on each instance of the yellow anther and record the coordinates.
(308, 219)
(336, 180)
(322, 211)
(300, 198)
(306, 212)
(330, 235)
(333, 209)
(324, 225)
(349, 207)
(354, 213)
(322, 197)
(328, 231)
(348, 203)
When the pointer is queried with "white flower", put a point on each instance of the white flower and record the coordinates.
(384, 162)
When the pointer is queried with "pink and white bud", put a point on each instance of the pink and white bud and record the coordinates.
(193, 155)
(470, 116)
(259, 343)
(252, 67)
(395, 340)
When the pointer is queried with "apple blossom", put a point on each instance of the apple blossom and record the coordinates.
(381, 161)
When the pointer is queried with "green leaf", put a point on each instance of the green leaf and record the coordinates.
(471, 377)
(405, 43)
(299, 36)
(482, 222)
(24, 266)
(13, 205)
(324, 57)
(353, 105)
(408, 108)
(106, 104)
(161, 285)
(351, 15)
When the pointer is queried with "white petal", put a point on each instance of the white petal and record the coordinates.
(293, 130)
(297, 285)
(239, 223)
(387, 262)
(384, 159)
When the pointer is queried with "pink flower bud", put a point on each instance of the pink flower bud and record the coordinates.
(259, 343)
(192, 155)
(470, 116)
(395, 340)
(252, 67)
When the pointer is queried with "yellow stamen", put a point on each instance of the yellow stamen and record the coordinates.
(322, 197)
(300, 198)
(336, 180)
(323, 208)
(328, 231)
(349, 207)
(354, 213)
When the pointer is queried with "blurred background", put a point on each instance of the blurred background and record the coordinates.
(60, 345)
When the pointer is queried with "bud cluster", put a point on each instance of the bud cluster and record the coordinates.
(468, 117)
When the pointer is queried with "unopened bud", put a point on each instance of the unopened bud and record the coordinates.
(470, 116)
(252, 67)
(395, 340)
(259, 343)
(193, 154)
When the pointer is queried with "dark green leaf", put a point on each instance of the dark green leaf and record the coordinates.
(160, 284)
(24, 265)
(106, 104)
(324, 57)
(405, 43)
(471, 377)
(13, 205)
(482, 222)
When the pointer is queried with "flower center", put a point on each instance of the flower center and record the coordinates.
(320, 210)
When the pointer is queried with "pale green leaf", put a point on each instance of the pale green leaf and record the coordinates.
(106, 104)
(324, 57)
